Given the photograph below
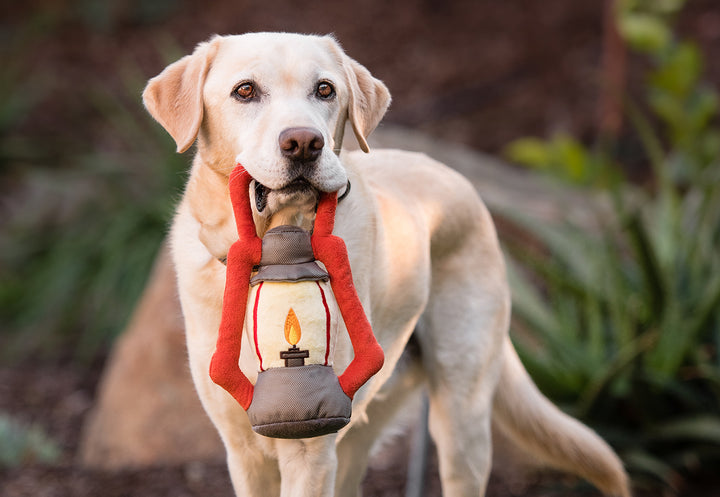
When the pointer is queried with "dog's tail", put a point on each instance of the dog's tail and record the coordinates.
(536, 425)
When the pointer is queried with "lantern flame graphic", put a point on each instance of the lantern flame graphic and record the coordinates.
(292, 328)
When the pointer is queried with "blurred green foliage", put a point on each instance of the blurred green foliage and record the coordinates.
(644, 23)
(23, 444)
(625, 319)
(85, 207)
(566, 157)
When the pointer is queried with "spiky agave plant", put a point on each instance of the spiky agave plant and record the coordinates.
(621, 323)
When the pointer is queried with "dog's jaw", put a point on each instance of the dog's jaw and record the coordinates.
(292, 205)
(286, 191)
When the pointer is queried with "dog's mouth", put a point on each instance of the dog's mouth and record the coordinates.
(299, 187)
(261, 194)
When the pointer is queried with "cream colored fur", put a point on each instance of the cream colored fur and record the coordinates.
(425, 260)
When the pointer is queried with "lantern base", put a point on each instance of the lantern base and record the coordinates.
(298, 402)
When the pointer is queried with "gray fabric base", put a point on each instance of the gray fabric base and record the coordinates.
(299, 402)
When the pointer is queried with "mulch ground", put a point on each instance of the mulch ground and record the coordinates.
(56, 396)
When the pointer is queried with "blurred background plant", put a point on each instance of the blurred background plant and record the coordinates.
(620, 322)
(83, 214)
(23, 444)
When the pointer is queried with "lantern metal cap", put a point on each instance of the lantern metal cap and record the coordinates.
(287, 256)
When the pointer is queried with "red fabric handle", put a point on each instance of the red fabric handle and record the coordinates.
(332, 252)
(242, 256)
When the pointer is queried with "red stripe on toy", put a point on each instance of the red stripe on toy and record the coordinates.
(255, 325)
(327, 323)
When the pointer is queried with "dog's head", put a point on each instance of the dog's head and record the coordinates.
(277, 103)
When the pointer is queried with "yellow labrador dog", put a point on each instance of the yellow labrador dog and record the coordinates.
(423, 251)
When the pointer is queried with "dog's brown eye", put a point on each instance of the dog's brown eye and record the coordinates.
(245, 91)
(325, 90)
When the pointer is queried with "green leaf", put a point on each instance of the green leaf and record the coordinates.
(642, 461)
(667, 6)
(678, 71)
(528, 302)
(701, 428)
(528, 152)
(702, 108)
(644, 32)
(613, 369)
(646, 255)
(573, 158)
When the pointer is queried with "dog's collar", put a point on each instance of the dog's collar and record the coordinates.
(345, 193)
(223, 259)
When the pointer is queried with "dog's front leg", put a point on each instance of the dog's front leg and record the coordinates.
(307, 466)
(252, 473)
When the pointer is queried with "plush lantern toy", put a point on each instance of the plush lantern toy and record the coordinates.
(291, 310)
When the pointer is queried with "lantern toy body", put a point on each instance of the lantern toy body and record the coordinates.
(292, 321)
(290, 311)
(291, 304)
(282, 316)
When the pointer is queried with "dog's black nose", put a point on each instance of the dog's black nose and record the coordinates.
(301, 144)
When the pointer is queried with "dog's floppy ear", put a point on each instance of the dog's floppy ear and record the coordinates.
(175, 96)
(369, 97)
